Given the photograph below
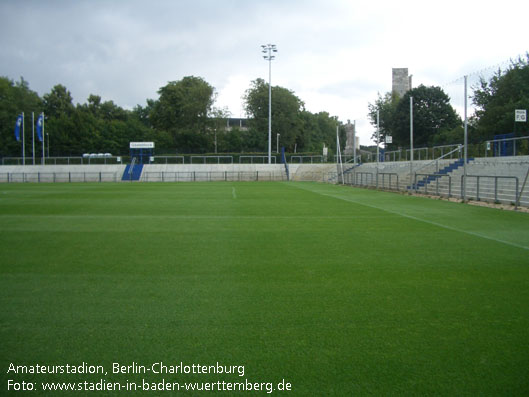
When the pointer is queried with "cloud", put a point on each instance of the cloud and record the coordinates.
(335, 55)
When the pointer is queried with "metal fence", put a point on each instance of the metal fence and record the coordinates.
(306, 159)
(56, 177)
(491, 188)
(64, 160)
(216, 159)
(213, 176)
(262, 159)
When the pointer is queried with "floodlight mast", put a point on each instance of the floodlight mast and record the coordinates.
(268, 49)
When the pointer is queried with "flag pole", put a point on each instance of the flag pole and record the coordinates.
(43, 138)
(33, 134)
(23, 141)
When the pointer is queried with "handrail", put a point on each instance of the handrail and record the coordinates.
(439, 158)
(131, 168)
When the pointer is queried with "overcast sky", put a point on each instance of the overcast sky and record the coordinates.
(335, 55)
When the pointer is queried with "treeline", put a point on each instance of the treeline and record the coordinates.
(435, 122)
(183, 119)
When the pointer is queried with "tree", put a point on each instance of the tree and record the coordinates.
(386, 108)
(183, 106)
(286, 114)
(432, 115)
(497, 99)
(58, 102)
(319, 129)
(16, 98)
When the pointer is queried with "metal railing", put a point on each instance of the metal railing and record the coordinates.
(56, 177)
(496, 149)
(169, 159)
(264, 159)
(390, 176)
(483, 192)
(436, 161)
(442, 148)
(437, 178)
(387, 155)
(213, 176)
(360, 178)
(205, 158)
(319, 159)
(419, 150)
(64, 160)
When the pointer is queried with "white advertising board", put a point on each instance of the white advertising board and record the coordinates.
(142, 145)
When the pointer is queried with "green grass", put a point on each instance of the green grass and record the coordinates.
(339, 291)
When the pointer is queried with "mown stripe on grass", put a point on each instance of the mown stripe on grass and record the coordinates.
(448, 227)
(139, 217)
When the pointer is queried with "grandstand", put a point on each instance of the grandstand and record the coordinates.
(496, 179)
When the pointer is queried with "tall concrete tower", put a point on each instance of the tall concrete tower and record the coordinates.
(400, 82)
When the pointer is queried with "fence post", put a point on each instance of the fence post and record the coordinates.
(477, 188)
(517, 198)
(495, 188)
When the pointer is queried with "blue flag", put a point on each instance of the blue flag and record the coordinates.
(17, 128)
(40, 124)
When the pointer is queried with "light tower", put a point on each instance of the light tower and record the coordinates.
(268, 49)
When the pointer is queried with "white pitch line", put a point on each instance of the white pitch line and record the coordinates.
(455, 229)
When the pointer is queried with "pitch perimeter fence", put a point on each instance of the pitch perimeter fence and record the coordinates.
(56, 177)
(214, 176)
(490, 188)
(191, 176)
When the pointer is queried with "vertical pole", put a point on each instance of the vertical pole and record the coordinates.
(339, 158)
(466, 143)
(33, 134)
(411, 139)
(43, 139)
(378, 143)
(269, 105)
(378, 136)
(354, 142)
(23, 141)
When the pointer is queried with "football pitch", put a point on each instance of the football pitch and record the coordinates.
(251, 288)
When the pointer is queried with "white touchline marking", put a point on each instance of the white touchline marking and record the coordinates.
(419, 219)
